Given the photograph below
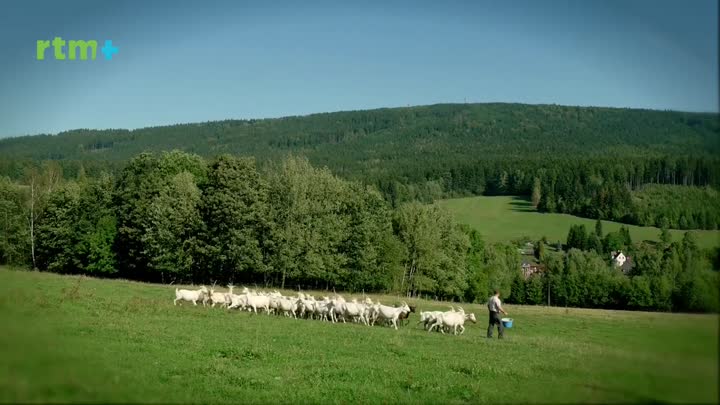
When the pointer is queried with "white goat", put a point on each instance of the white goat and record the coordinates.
(229, 295)
(191, 295)
(338, 308)
(238, 301)
(453, 320)
(258, 301)
(428, 318)
(274, 303)
(307, 307)
(288, 306)
(390, 313)
(217, 298)
(323, 308)
(355, 311)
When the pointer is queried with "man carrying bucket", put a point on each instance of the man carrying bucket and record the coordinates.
(495, 307)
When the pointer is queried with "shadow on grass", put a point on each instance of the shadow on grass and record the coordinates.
(519, 204)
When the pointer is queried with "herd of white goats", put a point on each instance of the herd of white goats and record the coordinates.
(327, 309)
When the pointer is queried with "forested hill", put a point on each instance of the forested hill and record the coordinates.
(367, 138)
(579, 160)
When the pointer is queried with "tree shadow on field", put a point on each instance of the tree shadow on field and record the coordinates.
(626, 395)
(519, 204)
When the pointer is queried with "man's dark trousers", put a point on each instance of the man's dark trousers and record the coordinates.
(495, 319)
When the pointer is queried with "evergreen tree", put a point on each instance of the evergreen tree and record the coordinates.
(595, 244)
(577, 237)
(540, 250)
(625, 233)
(665, 236)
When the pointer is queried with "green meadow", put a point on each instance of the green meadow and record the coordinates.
(79, 339)
(505, 218)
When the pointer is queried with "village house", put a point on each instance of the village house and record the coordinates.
(529, 268)
(621, 261)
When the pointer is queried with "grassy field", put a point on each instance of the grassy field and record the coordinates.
(68, 338)
(505, 218)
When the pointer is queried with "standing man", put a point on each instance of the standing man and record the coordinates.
(495, 308)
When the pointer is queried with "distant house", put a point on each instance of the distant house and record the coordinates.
(529, 268)
(627, 265)
(618, 258)
(621, 261)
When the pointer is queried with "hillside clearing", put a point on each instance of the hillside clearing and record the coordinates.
(505, 218)
(69, 338)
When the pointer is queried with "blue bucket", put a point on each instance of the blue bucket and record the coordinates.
(507, 322)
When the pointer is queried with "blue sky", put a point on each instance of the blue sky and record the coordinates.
(182, 61)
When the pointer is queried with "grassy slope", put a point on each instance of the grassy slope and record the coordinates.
(79, 339)
(504, 218)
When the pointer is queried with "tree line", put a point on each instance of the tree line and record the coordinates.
(178, 217)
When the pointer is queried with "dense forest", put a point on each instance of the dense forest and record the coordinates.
(179, 217)
(640, 167)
